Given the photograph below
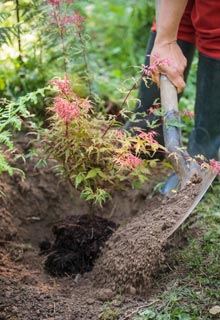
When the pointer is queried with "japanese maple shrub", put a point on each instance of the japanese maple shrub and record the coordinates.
(92, 152)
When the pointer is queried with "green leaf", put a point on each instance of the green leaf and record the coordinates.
(5, 139)
(103, 175)
(147, 314)
(4, 166)
(93, 173)
(78, 179)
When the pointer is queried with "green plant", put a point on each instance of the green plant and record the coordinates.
(22, 67)
(93, 153)
(6, 32)
(109, 313)
(112, 56)
(13, 117)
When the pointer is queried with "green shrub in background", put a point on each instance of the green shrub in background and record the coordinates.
(116, 39)
(119, 32)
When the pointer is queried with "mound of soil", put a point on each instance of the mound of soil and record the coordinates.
(134, 252)
(78, 242)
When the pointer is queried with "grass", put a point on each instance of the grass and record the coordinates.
(195, 288)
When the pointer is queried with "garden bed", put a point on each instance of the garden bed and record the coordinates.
(31, 209)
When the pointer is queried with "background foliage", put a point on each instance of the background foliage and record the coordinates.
(116, 32)
(115, 37)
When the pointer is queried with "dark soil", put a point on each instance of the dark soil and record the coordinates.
(34, 206)
(78, 243)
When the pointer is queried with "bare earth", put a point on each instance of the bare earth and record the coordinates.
(128, 263)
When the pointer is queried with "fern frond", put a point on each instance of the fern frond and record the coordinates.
(4, 16)
(5, 139)
(4, 165)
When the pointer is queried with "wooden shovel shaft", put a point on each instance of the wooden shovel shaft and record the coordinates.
(171, 120)
(168, 94)
(171, 126)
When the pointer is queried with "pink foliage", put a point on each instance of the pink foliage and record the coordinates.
(63, 20)
(147, 70)
(213, 165)
(129, 160)
(54, 2)
(78, 20)
(154, 108)
(148, 136)
(58, 2)
(65, 109)
(68, 105)
(119, 133)
(86, 104)
(63, 86)
(188, 113)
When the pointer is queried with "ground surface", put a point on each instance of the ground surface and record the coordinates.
(29, 210)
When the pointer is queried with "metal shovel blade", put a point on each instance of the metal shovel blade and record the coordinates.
(207, 179)
(185, 166)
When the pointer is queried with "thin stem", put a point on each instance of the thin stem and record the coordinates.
(67, 130)
(17, 9)
(57, 13)
(84, 54)
(123, 103)
(129, 92)
(64, 52)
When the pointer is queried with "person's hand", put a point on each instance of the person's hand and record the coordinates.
(168, 59)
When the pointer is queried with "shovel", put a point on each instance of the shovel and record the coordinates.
(185, 166)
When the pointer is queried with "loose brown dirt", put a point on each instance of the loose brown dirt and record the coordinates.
(135, 252)
(129, 261)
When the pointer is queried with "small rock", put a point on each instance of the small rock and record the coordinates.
(90, 301)
(132, 290)
(215, 310)
(164, 226)
(17, 299)
(105, 294)
(77, 278)
(14, 309)
(7, 294)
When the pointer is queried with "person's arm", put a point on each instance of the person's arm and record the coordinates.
(165, 47)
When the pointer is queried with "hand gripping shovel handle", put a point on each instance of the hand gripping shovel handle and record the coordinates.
(171, 120)
(181, 161)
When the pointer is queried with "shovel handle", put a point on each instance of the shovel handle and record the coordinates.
(171, 121)
(168, 94)
(171, 126)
